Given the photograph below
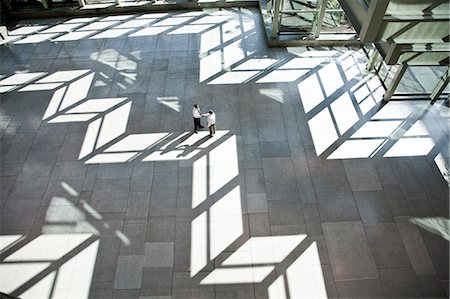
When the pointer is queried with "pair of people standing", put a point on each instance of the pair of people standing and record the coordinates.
(210, 118)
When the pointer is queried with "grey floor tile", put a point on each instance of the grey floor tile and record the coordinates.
(386, 245)
(349, 251)
(372, 207)
(259, 224)
(400, 283)
(257, 203)
(396, 200)
(110, 195)
(129, 272)
(161, 229)
(254, 181)
(159, 254)
(285, 213)
(138, 206)
(362, 175)
(69, 170)
(274, 149)
(431, 286)
(337, 208)
(134, 243)
(415, 247)
(156, 282)
(367, 288)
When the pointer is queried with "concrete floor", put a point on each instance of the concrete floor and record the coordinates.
(310, 188)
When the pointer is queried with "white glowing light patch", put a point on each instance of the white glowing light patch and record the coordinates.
(136, 142)
(36, 38)
(114, 124)
(171, 102)
(152, 16)
(418, 129)
(238, 77)
(41, 289)
(241, 275)
(318, 53)
(406, 147)
(97, 26)
(305, 277)
(150, 31)
(134, 24)
(7, 241)
(302, 63)
(353, 149)
(81, 20)
(116, 18)
(210, 66)
(210, 40)
(171, 155)
(233, 53)
(26, 30)
(56, 100)
(277, 289)
(310, 92)
(327, 72)
(96, 105)
(63, 76)
(223, 164)
(344, 113)
(226, 223)
(211, 20)
(40, 87)
(13, 275)
(256, 64)
(77, 91)
(111, 33)
(73, 36)
(377, 129)
(18, 79)
(322, 131)
(112, 158)
(264, 250)
(274, 94)
(282, 76)
(90, 137)
(4, 89)
(68, 118)
(199, 181)
(191, 29)
(47, 247)
(395, 110)
(61, 28)
(199, 244)
(173, 21)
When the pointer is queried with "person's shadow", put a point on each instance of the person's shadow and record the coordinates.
(190, 148)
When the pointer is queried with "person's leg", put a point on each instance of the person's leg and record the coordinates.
(196, 124)
(213, 129)
(210, 130)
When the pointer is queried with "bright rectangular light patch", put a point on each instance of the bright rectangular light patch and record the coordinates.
(134, 24)
(241, 275)
(344, 113)
(191, 29)
(407, 147)
(111, 33)
(173, 21)
(331, 78)
(18, 79)
(210, 66)
(322, 131)
(150, 31)
(26, 30)
(282, 76)
(377, 129)
(209, 40)
(73, 36)
(171, 155)
(69, 118)
(96, 105)
(302, 63)
(255, 64)
(60, 28)
(353, 149)
(40, 87)
(62, 76)
(36, 38)
(97, 26)
(310, 92)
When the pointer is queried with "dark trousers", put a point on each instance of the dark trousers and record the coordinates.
(197, 124)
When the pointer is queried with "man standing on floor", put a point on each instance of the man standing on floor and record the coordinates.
(211, 118)
(196, 114)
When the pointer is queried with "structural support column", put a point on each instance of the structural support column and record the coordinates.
(7, 4)
(440, 86)
(374, 57)
(276, 18)
(319, 19)
(394, 83)
(45, 4)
